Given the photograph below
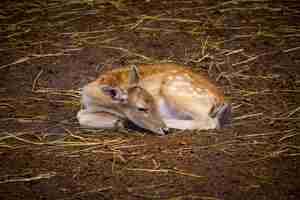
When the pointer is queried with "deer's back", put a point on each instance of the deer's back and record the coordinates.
(153, 76)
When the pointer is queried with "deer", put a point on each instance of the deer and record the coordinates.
(155, 97)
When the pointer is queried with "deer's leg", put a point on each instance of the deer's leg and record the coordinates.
(98, 119)
(223, 114)
(191, 124)
(191, 105)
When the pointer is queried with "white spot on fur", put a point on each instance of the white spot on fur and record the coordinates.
(179, 78)
(195, 93)
(170, 78)
(173, 88)
(200, 90)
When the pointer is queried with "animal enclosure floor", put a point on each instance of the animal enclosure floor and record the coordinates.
(50, 49)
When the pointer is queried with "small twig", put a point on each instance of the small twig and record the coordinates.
(36, 80)
(140, 21)
(126, 51)
(186, 173)
(293, 154)
(180, 20)
(6, 146)
(292, 35)
(265, 134)
(21, 60)
(248, 116)
(201, 59)
(175, 171)
(25, 140)
(55, 91)
(245, 61)
(87, 192)
(254, 8)
(74, 144)
(269, 156)
(149, 170)
(288, 136)
(74, 136)
(235, 38)
(221, 144)
(148, 29)
(32, 57)
(88, 149)
(293, 112)
(292, 49)
(204, 46)
(264, 54)
(7, 135)
(234, 52)
(7, 105)
(130, 146)
(38, 177)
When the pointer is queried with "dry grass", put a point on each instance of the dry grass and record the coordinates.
(253, 123)
(213, 50)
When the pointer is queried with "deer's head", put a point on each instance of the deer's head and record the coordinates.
(137, 104)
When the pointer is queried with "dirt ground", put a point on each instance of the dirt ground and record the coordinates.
(50, 49)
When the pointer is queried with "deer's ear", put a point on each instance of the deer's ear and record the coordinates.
(134, 76)
(115, 93)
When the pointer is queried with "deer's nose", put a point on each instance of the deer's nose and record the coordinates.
(164, 130)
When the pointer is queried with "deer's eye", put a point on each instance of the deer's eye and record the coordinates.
(142, 109)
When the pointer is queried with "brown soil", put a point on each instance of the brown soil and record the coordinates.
(49, 49)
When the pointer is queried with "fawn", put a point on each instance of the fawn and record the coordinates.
(154, 97)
